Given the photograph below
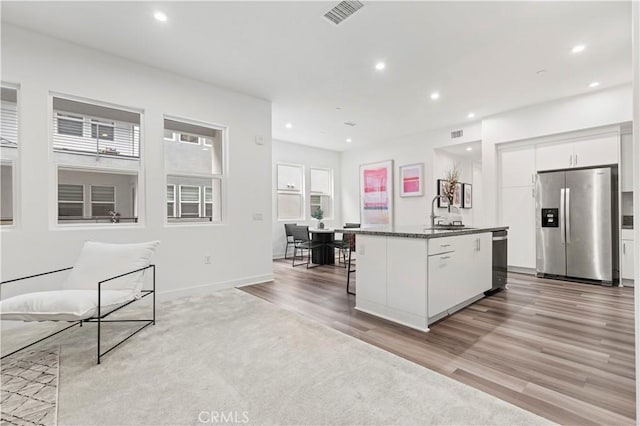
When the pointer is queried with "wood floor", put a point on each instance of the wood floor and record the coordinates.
(564, 351)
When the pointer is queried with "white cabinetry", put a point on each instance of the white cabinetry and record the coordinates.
(596, 150)
(517, 204)
(459, 275)
(627, 259)
(372, 268)
(626, 160)
(413, 280)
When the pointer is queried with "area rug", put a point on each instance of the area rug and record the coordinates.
(230, 357)
(30, 387)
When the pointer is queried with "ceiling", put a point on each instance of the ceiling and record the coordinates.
(482, 57)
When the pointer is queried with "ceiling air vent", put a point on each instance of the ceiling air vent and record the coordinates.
(456, 134)
(342, 11)
(350, 123)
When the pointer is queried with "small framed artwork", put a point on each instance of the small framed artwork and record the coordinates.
(442, 190)
(411, 178)
(467, 201)
(457, 196)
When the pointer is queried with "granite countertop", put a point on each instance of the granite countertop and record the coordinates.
(419, 231)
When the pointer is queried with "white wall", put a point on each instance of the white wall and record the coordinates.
(418, 148)
(443, 162)
(41, 65)
(602, 108)
(285, 152)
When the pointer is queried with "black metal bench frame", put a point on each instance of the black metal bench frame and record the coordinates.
(100, 318)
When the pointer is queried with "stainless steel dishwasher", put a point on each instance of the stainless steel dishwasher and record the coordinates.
(499, 273)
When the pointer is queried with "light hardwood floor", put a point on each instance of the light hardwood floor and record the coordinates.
(562, 350)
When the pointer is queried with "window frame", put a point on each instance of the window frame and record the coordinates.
(13, 159)
(205, 202)
(198, 203)
(92, 202)
(221, 176)
(321, 194)
(98, 124)
(300, 192)
(173, 201)
(58, 202)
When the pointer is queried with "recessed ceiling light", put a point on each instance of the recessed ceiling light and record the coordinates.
(380, 66)
(469, 148)
(578, 48)
(160, 16)
(471, 115)
(594, 84)
(349, 140)
(435, 95)
(288, 125)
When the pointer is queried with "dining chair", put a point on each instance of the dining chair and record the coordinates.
(302, 242)
(288, 231)
(342, 244)
(351, 238)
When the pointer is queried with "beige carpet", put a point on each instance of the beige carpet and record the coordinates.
(233, 358)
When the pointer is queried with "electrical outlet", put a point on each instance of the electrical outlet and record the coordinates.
(207, 260)
(257, 216)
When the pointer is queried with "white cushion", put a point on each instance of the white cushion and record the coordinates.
(99, 261)
(62, 305)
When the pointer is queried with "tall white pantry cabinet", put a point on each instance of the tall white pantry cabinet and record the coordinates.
(518, 167)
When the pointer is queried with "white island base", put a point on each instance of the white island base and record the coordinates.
(416, 280)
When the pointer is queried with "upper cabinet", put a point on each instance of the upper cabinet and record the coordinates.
(626, 160)
(597, 150)
(518, 167)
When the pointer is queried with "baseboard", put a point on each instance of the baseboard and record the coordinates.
(627, 283)
(208, 288)
(521, 270)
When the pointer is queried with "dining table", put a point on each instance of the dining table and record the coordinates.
(323, 254)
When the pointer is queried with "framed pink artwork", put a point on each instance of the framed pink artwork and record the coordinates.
(411, 180)
(376, 193)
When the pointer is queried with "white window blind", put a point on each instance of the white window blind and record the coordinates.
(103, 200)
(9, 123)
(189, 201)
(70, 200)
(320, 181)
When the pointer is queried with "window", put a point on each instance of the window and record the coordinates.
(193, 161)
(70, 200)
(8, 153)
(80, 127)
(189, 138)
(171, 201)
(89, 197)
(189, 201)
(104, 131)
(70, 125)
(6, 193)
(103, 200)
(208, 201)
(289, 191)
(9, 117)
(321, 192)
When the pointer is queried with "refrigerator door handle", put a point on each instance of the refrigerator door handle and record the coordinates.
(568, 213)
(562, 215)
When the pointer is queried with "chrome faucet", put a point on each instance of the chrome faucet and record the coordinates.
(433, 215)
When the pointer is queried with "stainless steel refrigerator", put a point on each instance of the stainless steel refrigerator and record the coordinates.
(577, 225)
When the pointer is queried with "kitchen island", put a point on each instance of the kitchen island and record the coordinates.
(415, 276)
